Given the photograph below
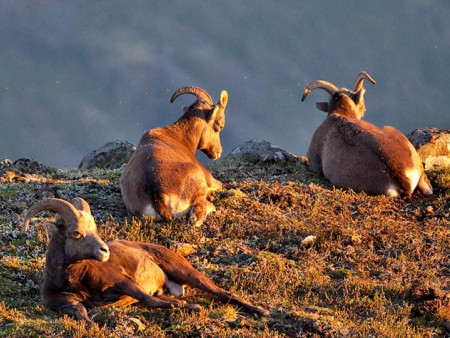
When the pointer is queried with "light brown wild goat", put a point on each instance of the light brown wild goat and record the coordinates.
(355, 154)
(163, 178)
(82, 271)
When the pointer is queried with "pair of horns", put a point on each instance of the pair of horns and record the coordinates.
(201, 94)
(331, 89)
(68, 211)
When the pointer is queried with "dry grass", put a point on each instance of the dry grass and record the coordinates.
(377, 266)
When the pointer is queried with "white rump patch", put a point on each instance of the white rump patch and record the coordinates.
(413, 176)
(392, 191)
(173, 288)
(177, 210)
(149, 210)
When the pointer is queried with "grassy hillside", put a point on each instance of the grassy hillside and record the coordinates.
(377, 266)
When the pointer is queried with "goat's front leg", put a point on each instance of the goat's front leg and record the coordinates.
(193, 307)
(200, 208)
(211, 182)
(69, 303)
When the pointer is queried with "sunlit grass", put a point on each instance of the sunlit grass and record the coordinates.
(376, 266)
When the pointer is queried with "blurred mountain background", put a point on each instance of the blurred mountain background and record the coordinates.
(77, 74)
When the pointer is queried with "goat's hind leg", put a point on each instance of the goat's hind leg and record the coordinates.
(182, 272)
(200, 281)
(425, 185)
(163, 209)
(135, 291)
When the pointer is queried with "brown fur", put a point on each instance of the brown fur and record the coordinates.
(134, 272)
(355, 154)
(164, 173)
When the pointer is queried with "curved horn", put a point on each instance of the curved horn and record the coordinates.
(325, 85)
(200, 93)
(81, 204)
(62, 207)
(360, 79)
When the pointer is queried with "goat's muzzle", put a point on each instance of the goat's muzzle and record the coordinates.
(103, 253)
(214, 155)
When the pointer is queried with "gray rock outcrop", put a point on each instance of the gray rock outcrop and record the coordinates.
(433, 146)
(112, 155)
(256, 151)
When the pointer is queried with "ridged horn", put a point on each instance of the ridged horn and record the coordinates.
(200, 93)
(322, 84)
(81, 204)
(360, 80)
(62, 207)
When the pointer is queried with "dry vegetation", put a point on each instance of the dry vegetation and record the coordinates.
(377, 266)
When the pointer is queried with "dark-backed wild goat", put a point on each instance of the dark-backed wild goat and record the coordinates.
(163, 178)
(82, 271)
(355, 154)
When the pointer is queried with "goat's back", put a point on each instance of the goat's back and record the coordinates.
(161, 165)
(355, 154)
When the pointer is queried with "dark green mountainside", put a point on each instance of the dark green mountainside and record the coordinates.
(77, 74)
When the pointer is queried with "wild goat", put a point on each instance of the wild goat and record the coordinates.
(355, 154)
(163, 178)
(82, 271)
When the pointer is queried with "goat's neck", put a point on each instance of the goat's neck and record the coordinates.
(55, 262)
(189, 130)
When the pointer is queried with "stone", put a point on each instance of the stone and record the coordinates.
(433, 146)
(23, 170)
(257, 151)
(30, 166)
(112, 155)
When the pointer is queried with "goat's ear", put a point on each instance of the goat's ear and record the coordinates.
(53, 228)
(223, 99)
(220, 105)
(322, 106)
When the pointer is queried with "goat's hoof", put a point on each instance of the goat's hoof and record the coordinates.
(263, 312)
(195, 221)
(91, 325)
(194, 307)
(197, 224)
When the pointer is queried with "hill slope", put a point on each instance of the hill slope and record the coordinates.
(377, 266)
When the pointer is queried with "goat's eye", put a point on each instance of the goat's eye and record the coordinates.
(77, 235)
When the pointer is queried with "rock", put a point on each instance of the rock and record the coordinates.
(184, 249)
(23, 170)
(309, 240)
(256, 151)
(112, 155)
(433, 146)
(30, 166)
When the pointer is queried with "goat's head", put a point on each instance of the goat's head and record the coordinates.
(342, 101)
(212, 114)
(75, 226)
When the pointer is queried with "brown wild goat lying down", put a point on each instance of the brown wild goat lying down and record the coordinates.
(355, 154)
(82, 271)
(163, 178)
